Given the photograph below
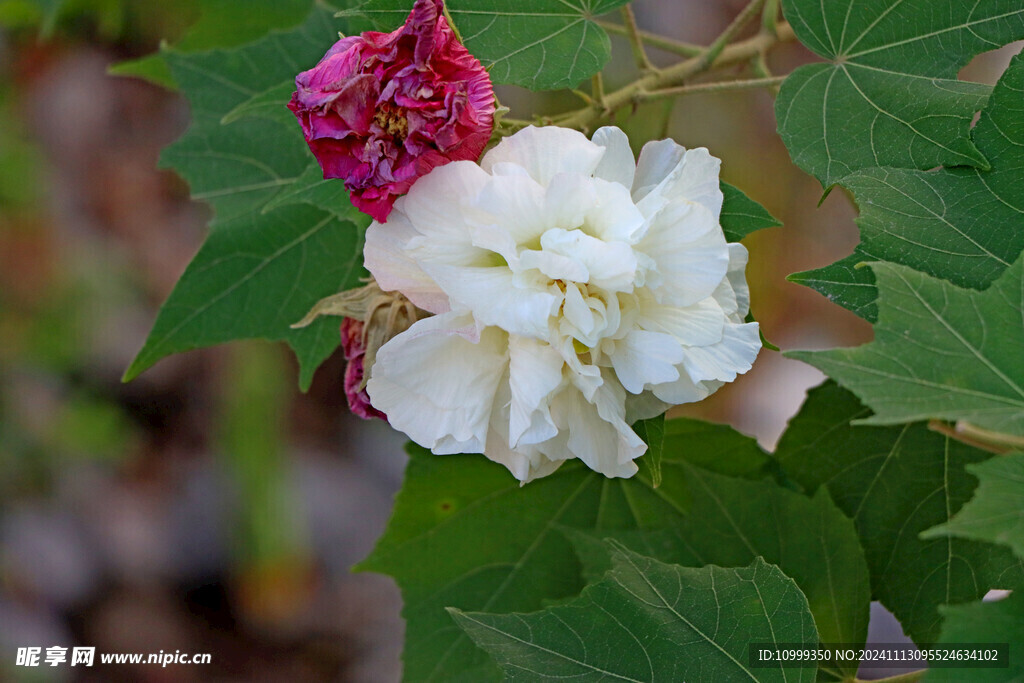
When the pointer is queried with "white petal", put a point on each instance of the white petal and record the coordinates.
(514, 204)
(439, 387)
(644, 406)
(617, 165)
(730, 357)
(609, 265)
(614, 216)
(697, 325)
(439, 206)
(387, 258)
(658, 158)
(545, 152)
(683, 390)
(586, 435)
(495, 299)
(736, 278)
(535, 374)
(644, 357)
(691, 254)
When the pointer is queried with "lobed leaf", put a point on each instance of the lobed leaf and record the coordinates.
(939, 352)
(741, 215)
(895, 482)
(959, 224)
(464, 534)
(996, 513)
(889, 96)
(650, 621)
(983, 623)
(538, 44)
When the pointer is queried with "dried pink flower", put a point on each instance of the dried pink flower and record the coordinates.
(353, 344)
(382, 109)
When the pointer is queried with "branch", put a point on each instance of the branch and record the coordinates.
(970, 435)
(635, 41)
(710, 54)
(712, 87)
(654, 40)
(673, 76)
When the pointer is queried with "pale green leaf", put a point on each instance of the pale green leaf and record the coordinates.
(538, 44)
(960, 224)
(984, 623)
(649, 621)
(939, 352)
(996, 513)
(889, 96)
(895, 482)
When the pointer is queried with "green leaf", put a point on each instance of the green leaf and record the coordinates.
(221, 24)
(256, 275)
(984, 622)
(716, 448)
(264, 265)
(465, 534)
(652, 431)
(959, 224)
(649, 621)
(540, 44)
(731, 521)
(271, 104)
(939, 352)
(741, 215)
(890, 96)
(895, 482)
(996, 513)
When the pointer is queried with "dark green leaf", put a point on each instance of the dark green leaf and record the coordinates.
(741, 215)
(649, 621)
(960, 224)
(465, 534)
(984, 622)
(255, 276)
(717, 448)
(264, 265)
(939, 352)
(895, 482)
(538, 44)
(731, 521)
(890, 96)
(996, 513)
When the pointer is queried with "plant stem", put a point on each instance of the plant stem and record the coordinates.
(654, 40)
(714, 49)
(673, 76)
(965, 436)
(451, 23)
(635, 41)
(770, 17)
(711, 87)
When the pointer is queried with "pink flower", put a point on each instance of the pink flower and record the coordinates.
(354, 347)
(382, 109)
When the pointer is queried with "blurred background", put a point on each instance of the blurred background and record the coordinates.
(208, 506)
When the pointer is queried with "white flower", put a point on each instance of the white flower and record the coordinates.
(574, 292)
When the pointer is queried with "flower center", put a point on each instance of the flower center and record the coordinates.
(392, 120)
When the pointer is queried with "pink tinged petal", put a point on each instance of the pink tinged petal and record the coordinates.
(387, 258)
(535, 374)
(644, 357)
(495, 299)
(692, 256)
(355, 350)
(730, 357)
(617, 165)
(437, 386)
(545, 152)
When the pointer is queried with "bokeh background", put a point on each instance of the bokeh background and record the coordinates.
(208, 506)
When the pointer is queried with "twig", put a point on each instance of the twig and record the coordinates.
(711, 87)
(655, 40)
(708, 57)
(672, 76)
(770, 17)
(960, 435)
(635, 41)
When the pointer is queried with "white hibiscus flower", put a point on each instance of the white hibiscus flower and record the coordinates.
(575, 291)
